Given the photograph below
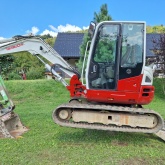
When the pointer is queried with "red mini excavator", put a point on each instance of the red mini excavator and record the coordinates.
(117, 81)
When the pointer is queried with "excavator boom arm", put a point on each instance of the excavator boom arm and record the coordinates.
(36, 46)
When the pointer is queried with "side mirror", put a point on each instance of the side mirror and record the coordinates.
(91, 29)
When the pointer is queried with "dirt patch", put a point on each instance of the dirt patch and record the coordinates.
(119, 143)
(140, 161)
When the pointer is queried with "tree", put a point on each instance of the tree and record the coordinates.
(14, 65)
(46, 36)
(27, 63)
(48, 39)
(156, 29)
(6, 64)
(102, 15)
(98, 17)
(82, 51)
(159, 49)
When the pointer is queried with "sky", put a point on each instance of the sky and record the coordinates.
(21, 17)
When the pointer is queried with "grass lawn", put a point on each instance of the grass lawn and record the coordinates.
(46, 143)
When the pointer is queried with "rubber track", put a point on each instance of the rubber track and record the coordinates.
(95, 107)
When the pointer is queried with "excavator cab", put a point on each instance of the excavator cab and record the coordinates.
(117, 54)
(10, 124)
(116, 63)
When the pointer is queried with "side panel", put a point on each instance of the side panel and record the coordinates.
(129, 91)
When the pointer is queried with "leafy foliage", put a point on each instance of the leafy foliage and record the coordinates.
(6, 64)
(35, 73)
(27, 63)
(159, 49)
(98, 17)
(14, 76)
(156, 29)
(104, 51)
(48, 39)
(102, 15)
(46, 36)
(82, 51)
(22, 62)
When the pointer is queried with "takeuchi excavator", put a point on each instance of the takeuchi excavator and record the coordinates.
(117, 82)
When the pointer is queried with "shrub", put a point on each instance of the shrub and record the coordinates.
(35, 73)
(14, 76)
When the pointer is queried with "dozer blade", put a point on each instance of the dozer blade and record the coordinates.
(11, 126)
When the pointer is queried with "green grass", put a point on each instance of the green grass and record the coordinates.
(46, 143)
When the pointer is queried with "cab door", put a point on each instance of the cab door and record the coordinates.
(104, 65)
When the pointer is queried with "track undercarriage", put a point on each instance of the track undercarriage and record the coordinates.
(112, 118)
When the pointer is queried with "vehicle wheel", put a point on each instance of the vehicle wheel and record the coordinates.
(65, 114)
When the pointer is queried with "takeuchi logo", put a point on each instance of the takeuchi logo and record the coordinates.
(14, 46)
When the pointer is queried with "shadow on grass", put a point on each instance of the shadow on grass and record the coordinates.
(97, 136)
(158, 84)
